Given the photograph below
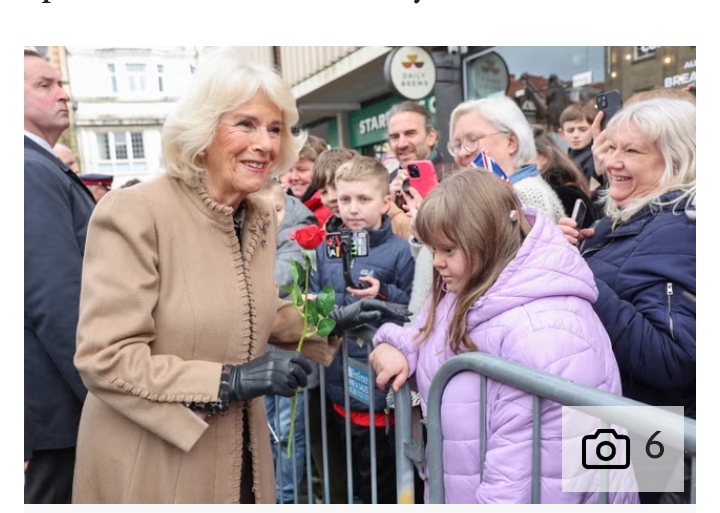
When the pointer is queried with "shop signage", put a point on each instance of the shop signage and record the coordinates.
(684, 78)
(487, 76)
(369, 125)
(644, 52)
(410, 71)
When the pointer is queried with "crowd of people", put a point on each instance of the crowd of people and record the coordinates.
(160, 333)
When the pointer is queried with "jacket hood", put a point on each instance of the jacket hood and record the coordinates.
(296, 214)
(546, 265)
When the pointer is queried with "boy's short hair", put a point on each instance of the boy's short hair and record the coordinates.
(578, 112)
(362, 169)
(313, 147)
(327, 164)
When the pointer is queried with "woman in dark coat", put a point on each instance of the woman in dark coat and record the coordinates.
(642, 252)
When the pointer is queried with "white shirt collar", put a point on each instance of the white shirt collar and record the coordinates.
(39, 140)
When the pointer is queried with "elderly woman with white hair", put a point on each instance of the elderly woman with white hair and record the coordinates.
(179, 301)
(642, 252)
(498, 126)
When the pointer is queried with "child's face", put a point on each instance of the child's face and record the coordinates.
(277, 200)
(285, 181)
(450, 262)
(362, 203)
(577, 134)
(329, 198)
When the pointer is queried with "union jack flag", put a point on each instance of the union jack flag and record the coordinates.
(485, 161)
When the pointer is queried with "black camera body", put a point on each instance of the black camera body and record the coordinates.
(348, 245)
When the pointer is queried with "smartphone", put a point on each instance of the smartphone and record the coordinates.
(610, 103)
(578, 213)
(422, 176)
(356, 243)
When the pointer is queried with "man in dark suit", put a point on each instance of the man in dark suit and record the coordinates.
(57, 211)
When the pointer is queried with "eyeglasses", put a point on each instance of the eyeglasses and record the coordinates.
(470, 143)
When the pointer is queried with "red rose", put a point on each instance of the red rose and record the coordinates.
(309, 237)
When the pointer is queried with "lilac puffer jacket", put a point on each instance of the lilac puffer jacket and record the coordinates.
(538, 313)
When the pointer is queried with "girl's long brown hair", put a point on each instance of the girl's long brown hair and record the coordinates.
(560, 169)
(471, 210)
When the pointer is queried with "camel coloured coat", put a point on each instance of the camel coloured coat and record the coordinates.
(169, 295)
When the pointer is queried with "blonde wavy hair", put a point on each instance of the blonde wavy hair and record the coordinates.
(223, 82)
(669, 124)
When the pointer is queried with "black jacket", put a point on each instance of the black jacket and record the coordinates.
(568, 194)
(584, 160)
(57, 211)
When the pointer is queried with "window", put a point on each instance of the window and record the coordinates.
(113, 78)
(121, 152)
(136, 78)
(161, 87)
(138, 149)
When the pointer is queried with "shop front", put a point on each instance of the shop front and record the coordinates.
(633, 69)
(541, 79)
(368, 126)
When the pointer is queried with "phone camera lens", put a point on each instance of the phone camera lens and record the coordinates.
(413, 171)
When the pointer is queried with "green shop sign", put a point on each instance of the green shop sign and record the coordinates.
(369, 125)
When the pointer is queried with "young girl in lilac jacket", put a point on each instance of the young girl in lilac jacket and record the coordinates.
(507, 283)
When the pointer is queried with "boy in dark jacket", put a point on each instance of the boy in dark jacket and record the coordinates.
(576, 121)
(386, 273)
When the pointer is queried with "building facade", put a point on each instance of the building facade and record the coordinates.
(633, 69)
(122, 95)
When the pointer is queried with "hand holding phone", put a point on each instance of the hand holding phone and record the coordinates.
(422, 176)
(578, 213)
(610, 103)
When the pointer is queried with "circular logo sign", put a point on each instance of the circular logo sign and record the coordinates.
(487, 76)
(410, 71)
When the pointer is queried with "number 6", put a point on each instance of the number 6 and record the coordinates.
(651, 442)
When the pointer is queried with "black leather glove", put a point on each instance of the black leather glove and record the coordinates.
(276, 373)
(365, 311)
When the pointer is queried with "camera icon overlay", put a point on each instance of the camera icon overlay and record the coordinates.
(607, 450)
(622, 449)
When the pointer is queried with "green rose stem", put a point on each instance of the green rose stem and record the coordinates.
(314, 311)
(304, 335)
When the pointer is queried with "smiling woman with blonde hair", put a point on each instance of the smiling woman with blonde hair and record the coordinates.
(643, 252)
(179, 302)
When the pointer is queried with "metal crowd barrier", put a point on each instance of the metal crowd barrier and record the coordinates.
(542, 386)
(359, 382)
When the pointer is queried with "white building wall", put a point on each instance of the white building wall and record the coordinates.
(135, 96)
